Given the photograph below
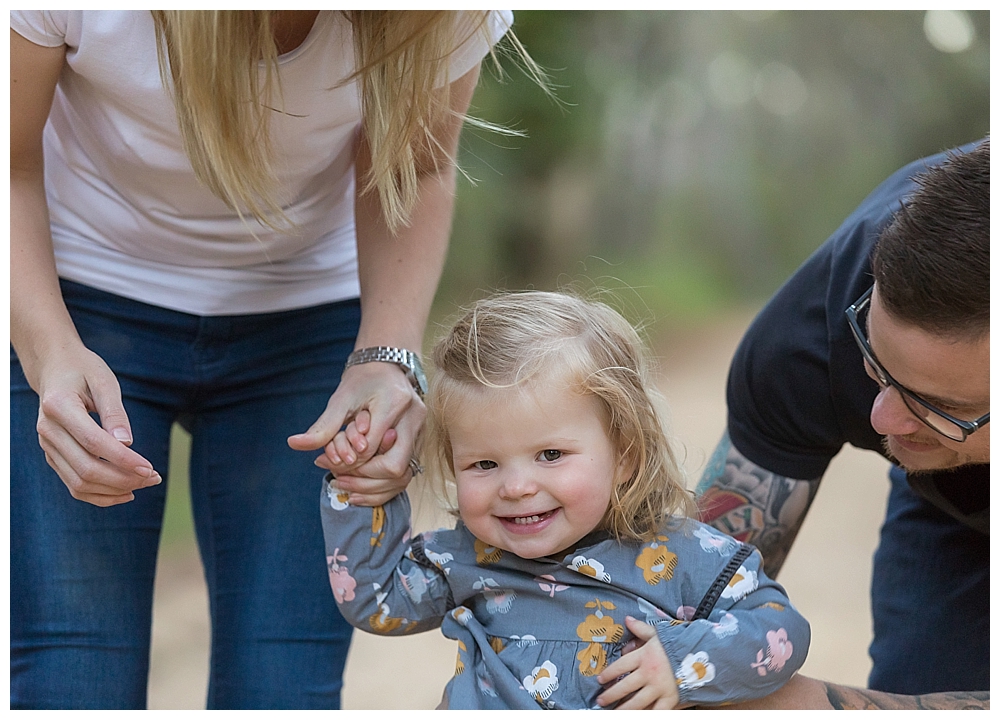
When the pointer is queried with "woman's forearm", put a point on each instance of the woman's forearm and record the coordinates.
(40, 323)
(399, 273)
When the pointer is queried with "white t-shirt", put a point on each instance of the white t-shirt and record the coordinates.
(128, 215)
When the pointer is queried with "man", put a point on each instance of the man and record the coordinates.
(881, 340)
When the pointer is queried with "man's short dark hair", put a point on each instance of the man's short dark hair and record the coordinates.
(932, 263)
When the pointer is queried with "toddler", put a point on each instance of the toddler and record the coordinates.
(572, 540)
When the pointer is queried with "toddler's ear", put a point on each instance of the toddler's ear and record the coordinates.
(627, 467)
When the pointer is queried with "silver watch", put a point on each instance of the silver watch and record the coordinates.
(409, 363)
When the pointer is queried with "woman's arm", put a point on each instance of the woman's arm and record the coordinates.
(399, 275)
(93, 460)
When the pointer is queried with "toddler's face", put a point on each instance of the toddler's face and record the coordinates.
(534, 468)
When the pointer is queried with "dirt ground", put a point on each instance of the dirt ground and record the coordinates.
(826, 575)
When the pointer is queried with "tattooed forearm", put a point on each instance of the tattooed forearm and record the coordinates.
(849, 698)
(805, 693)
(753, 504)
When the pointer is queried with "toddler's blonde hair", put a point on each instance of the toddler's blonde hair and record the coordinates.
(514, 339)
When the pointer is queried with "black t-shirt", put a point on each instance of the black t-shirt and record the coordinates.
(797, 386)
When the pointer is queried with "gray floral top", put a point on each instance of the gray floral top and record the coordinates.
(536, 633)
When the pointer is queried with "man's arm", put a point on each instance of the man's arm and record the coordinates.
(805, 693)
(752, 504)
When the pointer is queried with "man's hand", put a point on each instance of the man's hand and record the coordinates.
(647, 679)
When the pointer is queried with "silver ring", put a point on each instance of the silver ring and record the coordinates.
(415, 467)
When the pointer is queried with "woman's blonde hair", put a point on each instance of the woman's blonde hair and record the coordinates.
(210, 59)
(511, 340)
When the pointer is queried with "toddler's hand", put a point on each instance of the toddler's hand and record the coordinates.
(648, 682)
(349, 444)
(362, 491)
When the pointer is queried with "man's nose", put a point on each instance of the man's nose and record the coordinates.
(891, 416)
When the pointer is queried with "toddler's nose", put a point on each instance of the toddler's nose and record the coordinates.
(517, 485)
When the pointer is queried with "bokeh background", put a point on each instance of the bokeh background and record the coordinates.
(689, 163)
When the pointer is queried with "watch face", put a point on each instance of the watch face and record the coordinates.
(418, 373)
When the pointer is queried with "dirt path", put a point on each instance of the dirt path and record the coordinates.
(827, 573)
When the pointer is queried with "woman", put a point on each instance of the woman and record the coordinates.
(187, 245)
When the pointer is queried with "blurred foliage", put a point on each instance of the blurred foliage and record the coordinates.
(178, 522)
(699, 157)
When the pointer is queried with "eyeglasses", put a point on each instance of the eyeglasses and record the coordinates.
(938, 420)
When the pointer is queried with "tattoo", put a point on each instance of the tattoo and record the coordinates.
(848, 698)
(752, 504)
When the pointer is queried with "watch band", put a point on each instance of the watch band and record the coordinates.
(407, 360)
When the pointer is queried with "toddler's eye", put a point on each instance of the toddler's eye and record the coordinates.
(484, 465)
(551, 455)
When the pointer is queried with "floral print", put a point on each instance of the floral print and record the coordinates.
(742, 584)
(537, 633)
(597, 629)
(340, 580)
(440, 559)
(656, 562)
(715, 542)
(779, 650)
(542, 682)
(591, 568)
(486, 554)
(337, 497)
(548, 584)
(695, 670)
(727, 625)
(497, 599)
(651, 613)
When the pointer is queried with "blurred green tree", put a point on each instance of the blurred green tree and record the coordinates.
(699, 157)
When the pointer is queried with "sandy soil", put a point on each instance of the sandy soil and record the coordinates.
(826, 575)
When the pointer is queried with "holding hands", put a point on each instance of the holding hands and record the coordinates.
(368, 433)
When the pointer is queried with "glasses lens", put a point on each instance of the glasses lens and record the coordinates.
(933, 420)
(871, 364)
(857, 315)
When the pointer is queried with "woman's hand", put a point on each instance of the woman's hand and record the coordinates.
(647, 679)
(368, 432)
(94, 461)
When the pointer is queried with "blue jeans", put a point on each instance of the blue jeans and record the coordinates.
(81, 577)
(930, 600)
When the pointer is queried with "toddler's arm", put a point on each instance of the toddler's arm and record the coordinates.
(750, 644)
(381, 579)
